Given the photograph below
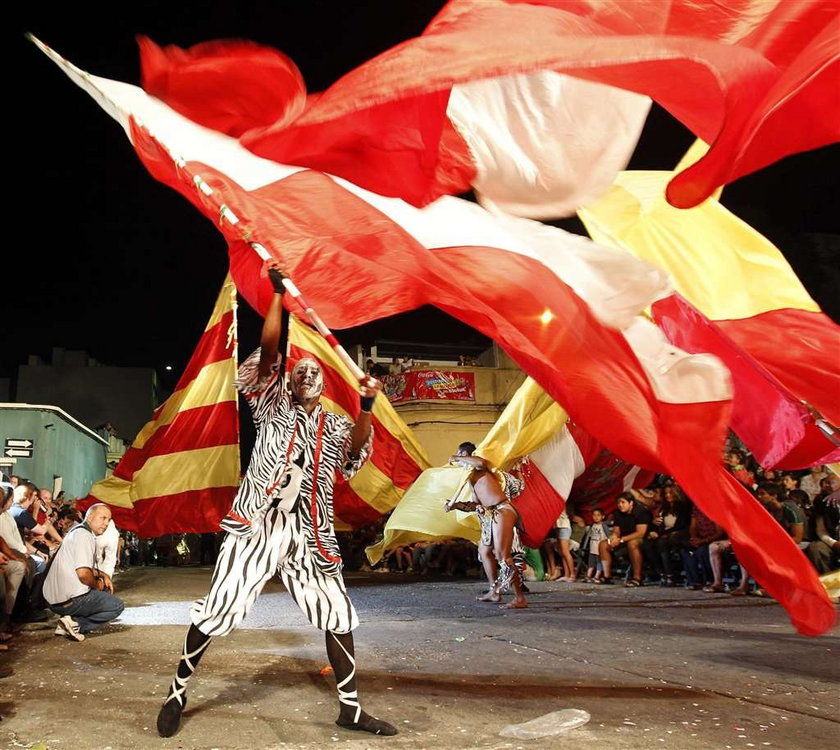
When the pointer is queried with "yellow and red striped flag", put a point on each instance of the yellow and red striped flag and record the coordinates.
(182, 470)
(397, 458)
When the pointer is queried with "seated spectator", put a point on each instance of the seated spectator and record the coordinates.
(424, 555)
(802, 501)
(810, 483)
(717, 555)
(697, 566)
(824, 530)
(735, 465)
(669, 534)
(25, 495)
(632, 521)
(397, 560)
(787, 513)
(789, 482)
(395, 367)
(74, 588)
(407, 364)
(826, 484)
(14, 548)
(772, 497)
(13, 566)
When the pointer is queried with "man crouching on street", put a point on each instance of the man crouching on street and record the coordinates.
(74, 589)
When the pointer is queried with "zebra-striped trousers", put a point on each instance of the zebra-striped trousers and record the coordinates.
(247, 563)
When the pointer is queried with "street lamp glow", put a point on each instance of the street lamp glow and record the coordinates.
(168, 368)
(546, 317)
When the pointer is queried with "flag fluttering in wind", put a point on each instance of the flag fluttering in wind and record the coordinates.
(756, 80)
(397, 458)
(736, 292)
(563, 308)
(182, 470)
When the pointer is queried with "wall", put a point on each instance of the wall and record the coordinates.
(62, 447)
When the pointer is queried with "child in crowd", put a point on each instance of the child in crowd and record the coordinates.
(598, 532)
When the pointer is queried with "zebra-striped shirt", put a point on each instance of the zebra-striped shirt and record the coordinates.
(279, 421)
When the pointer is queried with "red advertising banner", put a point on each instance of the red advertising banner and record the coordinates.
(442, 385)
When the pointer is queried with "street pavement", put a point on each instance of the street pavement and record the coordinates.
(654, 668)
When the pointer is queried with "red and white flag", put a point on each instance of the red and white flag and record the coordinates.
(563, 308)
(434, 115)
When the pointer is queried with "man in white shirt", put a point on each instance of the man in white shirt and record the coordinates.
(74, 588)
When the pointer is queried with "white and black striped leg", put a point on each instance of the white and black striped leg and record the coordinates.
(169, 717)
(342, 659)
(506, 576)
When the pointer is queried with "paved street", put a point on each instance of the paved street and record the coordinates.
(662, 668)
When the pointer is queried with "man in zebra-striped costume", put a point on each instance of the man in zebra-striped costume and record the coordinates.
(282, 519)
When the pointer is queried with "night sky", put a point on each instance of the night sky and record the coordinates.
(112, 262)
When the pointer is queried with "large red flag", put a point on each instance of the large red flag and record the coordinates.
(564, 309)
(758, 81)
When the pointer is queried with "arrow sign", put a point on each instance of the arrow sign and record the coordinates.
(19, 443)
(19, 452)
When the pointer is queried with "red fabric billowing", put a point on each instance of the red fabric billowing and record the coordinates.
(775, 359)
(230, 86)
(355, 265)
(538, 506)
(757, 83)
(800, 348)
(190, 512)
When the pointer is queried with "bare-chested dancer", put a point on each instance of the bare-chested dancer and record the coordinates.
(493, 492)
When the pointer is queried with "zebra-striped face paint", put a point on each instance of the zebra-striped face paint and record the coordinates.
(307, 380)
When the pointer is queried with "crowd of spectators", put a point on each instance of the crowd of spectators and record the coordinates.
(655, 535)
(33, 527)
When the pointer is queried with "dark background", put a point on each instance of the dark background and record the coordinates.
(109, 261)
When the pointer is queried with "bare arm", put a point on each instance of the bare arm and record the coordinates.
(9, 552)
(87, 577)
(472, 462)
(51, 533)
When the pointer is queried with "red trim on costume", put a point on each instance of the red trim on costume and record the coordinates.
(314, 499)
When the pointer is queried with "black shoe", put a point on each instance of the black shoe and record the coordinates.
(370, 724)
(33, 615)
(169, 717)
